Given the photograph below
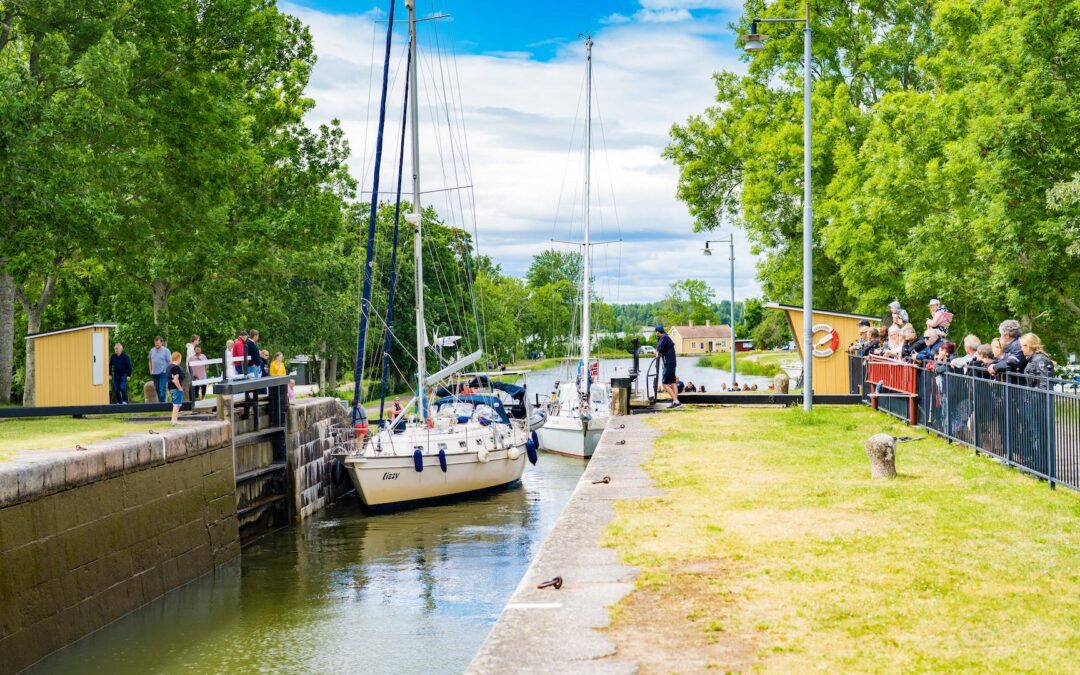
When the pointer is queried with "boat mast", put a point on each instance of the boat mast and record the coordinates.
(585, 297)
(415, 219)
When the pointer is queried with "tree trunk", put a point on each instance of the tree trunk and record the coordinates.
(33, 311)
(322, 369)
(7, 336)
(159, 292)
(331, 367)
(881, 450)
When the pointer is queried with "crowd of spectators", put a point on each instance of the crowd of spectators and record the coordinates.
(1011, 356)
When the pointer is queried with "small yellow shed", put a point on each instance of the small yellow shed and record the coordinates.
(71, 366)
(833, 333)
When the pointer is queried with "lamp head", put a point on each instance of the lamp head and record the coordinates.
(706, 250)
(753, 42)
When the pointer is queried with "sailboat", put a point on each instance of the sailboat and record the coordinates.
(579, 412)
(442, 443)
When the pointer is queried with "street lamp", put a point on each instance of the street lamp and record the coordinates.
(730, 240)
(752, 43)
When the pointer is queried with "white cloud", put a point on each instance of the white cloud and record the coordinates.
(519, 113)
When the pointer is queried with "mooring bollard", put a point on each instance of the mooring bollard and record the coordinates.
(881, 450)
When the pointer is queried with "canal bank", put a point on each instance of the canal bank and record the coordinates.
(552, 630)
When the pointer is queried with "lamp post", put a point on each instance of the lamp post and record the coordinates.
(755, 43)
(730, 240)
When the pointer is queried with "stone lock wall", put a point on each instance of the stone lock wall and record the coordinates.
(310, 445)
(88, 536)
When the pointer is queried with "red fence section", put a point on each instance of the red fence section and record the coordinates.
(893, 375)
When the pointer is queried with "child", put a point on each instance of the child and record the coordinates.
(176, 386)
(277, 366)
(265, 367)
(292, 390)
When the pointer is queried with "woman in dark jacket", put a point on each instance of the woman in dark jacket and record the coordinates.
(1037, 407)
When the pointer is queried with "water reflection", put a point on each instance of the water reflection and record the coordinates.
(407, 592)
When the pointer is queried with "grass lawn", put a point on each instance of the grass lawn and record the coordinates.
(53, 433)
(764, 363)
(773, 550)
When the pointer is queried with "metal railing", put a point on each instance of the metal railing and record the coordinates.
(1030, 423)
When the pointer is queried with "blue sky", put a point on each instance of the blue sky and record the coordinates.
(514, 84)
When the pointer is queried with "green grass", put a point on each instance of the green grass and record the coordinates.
(52, 433)
(765, 364)
(959, 564)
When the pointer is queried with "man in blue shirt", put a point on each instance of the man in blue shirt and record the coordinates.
(120, 368)
(665, 350)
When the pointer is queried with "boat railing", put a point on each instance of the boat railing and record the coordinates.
(344, 440)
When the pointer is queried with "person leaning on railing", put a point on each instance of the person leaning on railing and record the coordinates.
(971, 348)
(908, 349)
(1012, 359)
(1039, 367)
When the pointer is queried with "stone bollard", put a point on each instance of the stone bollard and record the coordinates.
(881, 449)
(781, 383)
(149, 393)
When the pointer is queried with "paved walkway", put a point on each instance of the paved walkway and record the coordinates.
(553, 631)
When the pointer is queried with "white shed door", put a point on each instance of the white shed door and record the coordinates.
(98, 376)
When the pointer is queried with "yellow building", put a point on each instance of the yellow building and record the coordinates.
(701, 339)
(833, 332)
(71, 366)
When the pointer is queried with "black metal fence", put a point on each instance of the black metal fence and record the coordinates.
(1032, 424)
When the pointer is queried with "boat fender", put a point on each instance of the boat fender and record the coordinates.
(530, 449)
(337, 471)
(462, 419)
(535, 439)
(418, 460)
(483, 455)
(513, 453)
(442, 460)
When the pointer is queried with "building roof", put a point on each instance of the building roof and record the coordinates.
(703, 331)
(69, 330)
(776, 305)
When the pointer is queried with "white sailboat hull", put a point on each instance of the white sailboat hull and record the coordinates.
(475, 461)
(571, 436)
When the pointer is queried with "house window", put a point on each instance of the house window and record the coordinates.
(693, 345)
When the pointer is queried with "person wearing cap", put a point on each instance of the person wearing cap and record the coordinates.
(864, 337)
(665, 350)
(940, 317)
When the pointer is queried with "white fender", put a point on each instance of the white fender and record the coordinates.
(513, 453)
(483, 455)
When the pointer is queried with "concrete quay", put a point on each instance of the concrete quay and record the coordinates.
(556, 631)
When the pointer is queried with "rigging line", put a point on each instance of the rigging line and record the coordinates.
(611, 186)
(358, 413)
(367, 113)
(468, 161)
(394, 250)
(461, 206)
(430, 192)
(569, 154)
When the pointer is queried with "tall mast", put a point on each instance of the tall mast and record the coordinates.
(418, 248)
(585, 296)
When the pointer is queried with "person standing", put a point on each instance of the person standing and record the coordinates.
(175, 376)
(120, 368)
(665, 350)
(198, 372)
(158, 365)
(1012, 359)
(277, 366)
(239, 350)
(189, 354)
(251, 353)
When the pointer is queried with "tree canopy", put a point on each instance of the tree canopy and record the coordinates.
(945, 159)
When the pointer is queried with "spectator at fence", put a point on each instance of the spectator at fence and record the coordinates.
(1039, 367)
(940, 317)
(253, 354)
(929, 345)
(864, 338)
(910, 337)
(196, 364)
(899, 314)
(984, 357)
(277, 366)
(190, 347)
(158, 365)
(971, 348)
(175, 385)
(120, 368)
(1012, 359)
(265, 355)
(875, 339)
(894, 346)
(228, 368)
(239, 351)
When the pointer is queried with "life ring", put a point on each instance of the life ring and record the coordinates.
(825, 345)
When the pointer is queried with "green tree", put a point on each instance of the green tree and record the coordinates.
(688, 300)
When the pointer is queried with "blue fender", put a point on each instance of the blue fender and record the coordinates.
(535, 439)
(530, 450)
(442, 460)
(418, 460)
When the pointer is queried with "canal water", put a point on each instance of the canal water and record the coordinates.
(409, 592)
(543, 381)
